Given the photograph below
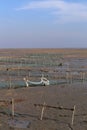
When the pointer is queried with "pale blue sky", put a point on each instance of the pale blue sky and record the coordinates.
(43, 23)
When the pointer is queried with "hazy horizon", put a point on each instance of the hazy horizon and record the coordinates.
(43, 24)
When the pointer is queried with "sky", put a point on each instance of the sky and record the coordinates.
(43, 23)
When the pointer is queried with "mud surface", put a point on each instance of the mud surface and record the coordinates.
(71, 92)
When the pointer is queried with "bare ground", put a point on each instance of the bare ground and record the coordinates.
(63, 96)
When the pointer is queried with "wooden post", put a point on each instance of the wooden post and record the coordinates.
(12, 107)
(18, 70)
(67, 77)
(83, 77)
(71, 77)
(73, 115)
(10, 82)
(29, 75)
(42, 112)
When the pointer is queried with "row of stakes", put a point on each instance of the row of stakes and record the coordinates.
(44, 106)
(69, 76)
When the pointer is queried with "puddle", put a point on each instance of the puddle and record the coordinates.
(14, 123)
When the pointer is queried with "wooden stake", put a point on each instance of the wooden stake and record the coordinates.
(67, 77)
(10, 82)
(42, 112)
(73, 115)
(71, 77)
(12, 107)
(18, 70)
(83, 77)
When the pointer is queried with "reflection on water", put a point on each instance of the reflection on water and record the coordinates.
(15, 123)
